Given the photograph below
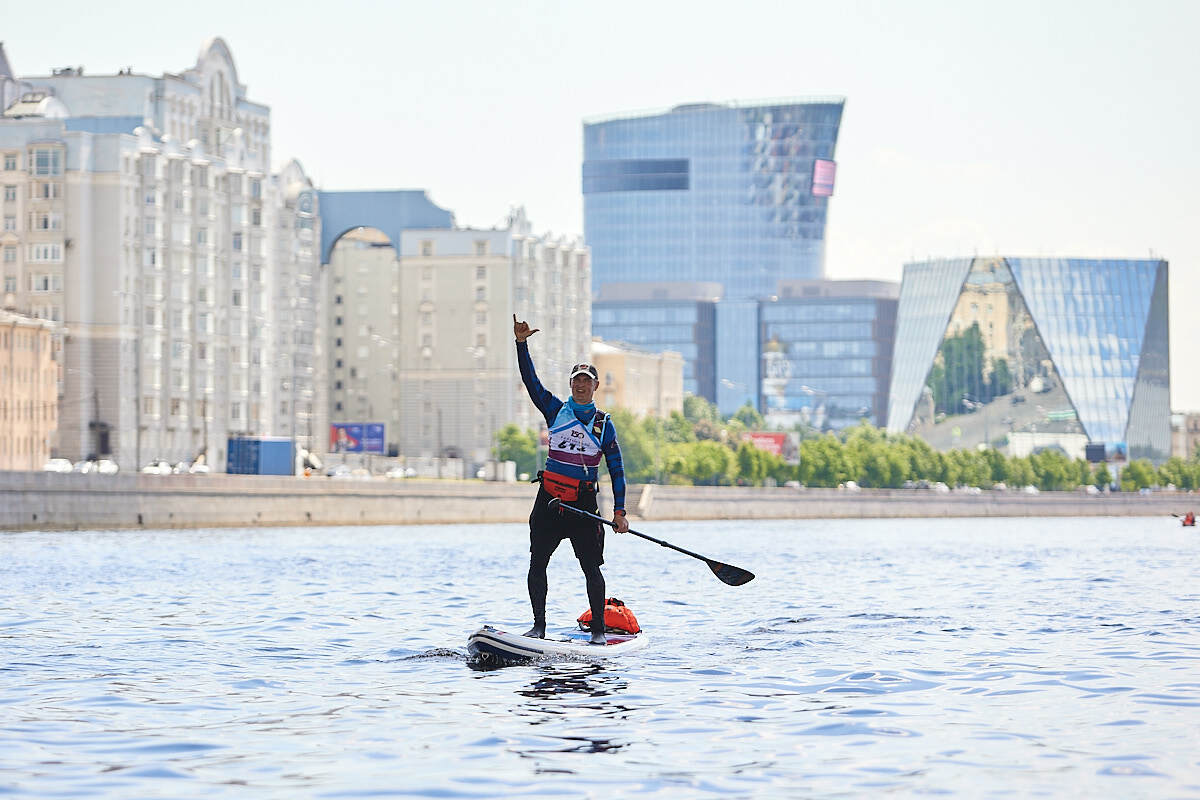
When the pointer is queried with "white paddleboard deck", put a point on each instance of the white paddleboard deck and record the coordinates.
(491, 644)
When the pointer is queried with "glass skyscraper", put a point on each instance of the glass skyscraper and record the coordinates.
(1029, 353)
(731, 193)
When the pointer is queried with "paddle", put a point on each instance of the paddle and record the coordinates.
(726, 573)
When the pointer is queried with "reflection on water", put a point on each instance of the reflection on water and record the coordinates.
(1032, 657)
(556, 681)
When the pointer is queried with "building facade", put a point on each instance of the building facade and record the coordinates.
(733, 193)
(664, 317)
(827, 353)
(28, 389)
(1185, 435)
(647, 384)
(421, 330)
(1025, 354)
(148, 222)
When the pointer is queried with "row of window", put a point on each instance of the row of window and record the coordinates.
(42, 161)
(38, 190)
(27, 410)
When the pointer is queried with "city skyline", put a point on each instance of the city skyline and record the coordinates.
(1049, 131)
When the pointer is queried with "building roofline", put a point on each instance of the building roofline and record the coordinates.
(685, 108)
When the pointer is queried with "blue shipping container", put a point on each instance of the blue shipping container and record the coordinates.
(260, 455)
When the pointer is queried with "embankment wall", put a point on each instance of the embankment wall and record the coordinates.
(52, 501)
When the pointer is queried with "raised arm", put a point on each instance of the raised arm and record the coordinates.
(542, 398)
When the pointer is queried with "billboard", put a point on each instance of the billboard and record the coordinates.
(356, 437)
(777, 443)
(823, 175)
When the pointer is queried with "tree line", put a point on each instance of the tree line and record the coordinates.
(700, 447)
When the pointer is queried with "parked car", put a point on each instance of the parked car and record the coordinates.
(338, 471)
(84, 467)
(199, 469)
(106, 466)
(57, 465)
(157, 468)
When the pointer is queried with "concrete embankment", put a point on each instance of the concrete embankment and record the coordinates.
(51, 501)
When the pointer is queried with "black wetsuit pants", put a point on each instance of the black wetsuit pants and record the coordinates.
(547, 528)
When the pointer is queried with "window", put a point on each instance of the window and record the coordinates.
(10, 193)
(237, 297)
(45, 190)
(201, 236)
(46, 221)
(45, 252)
(10, 162)
(176, 406)
(10, 222)
(481, 318)
(338, 321)
(237, 241)
(47, 161)
(481, 248)
(337, 300)
(202, 351)
(235, 411)
(256, 217)
(426, 247)
(10, 283)
(480, 293)
(255, 187)
(480, 273)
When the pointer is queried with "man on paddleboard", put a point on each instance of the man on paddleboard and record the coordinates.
(579, 436)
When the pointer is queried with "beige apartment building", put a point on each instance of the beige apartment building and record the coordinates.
(141, 212)
(648, 384)
(28, 390)
(422, 341)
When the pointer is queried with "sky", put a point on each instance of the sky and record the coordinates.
(1051, 128)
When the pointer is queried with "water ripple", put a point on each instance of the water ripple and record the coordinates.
(1030, 657)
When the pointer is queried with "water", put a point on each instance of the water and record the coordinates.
(970, 657)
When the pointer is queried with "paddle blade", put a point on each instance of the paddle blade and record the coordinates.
(727, 573)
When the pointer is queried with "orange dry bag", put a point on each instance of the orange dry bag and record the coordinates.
(617, 618)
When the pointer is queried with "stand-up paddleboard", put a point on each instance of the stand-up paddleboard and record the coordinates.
(492, 645)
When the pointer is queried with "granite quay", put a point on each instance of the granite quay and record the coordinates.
(53, 501)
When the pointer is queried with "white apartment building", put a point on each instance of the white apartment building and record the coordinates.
(140, 211)
(424, 343)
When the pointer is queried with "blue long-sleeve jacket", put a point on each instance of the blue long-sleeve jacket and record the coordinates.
(549, 406)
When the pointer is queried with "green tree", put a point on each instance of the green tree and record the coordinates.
(1021, 472)
(752, 464)
(1054, 470)
(514, 444)
(679, 428)
(711, 464)
(637, 446)
(748, 416)
(1102, 478)
(696, 408)
(1138, 474)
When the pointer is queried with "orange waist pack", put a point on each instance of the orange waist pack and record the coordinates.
(563, 487)
(618, 618)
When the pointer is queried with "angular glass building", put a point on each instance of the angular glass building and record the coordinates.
(732, 193)
(1025, 354)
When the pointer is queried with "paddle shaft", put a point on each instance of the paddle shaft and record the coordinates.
(726, 573)
(647, 537)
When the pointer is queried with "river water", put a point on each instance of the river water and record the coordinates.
(980, 658)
